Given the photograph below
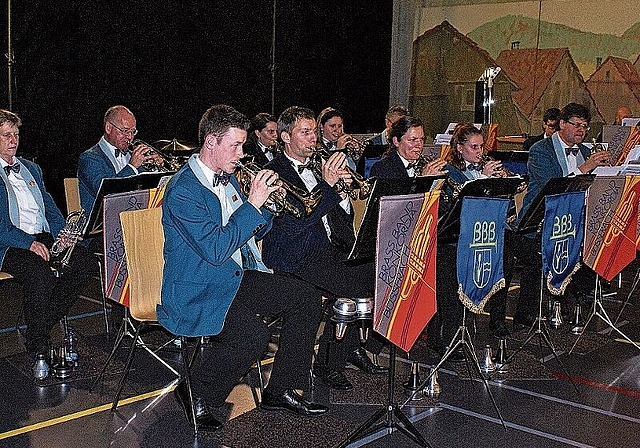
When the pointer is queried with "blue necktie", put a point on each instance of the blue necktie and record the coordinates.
(222, 178)
(15, 168)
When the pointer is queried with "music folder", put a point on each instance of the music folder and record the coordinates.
(534, 216)
(111, 185)
(365, 245)
(491, 187)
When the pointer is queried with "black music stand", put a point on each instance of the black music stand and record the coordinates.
(113, 185)
(493, 187)
(371, 154)
(364, 247)
(532, 223)
(449, 230)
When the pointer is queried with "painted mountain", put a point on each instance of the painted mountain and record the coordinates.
(585, 47)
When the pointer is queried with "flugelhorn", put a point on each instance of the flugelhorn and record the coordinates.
(278, 203)
(67, 239)
(169, 163)
(357, 188)
(355, 147)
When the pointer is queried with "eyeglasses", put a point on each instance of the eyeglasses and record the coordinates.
(131, 132)
(415, 140)
(586, 127)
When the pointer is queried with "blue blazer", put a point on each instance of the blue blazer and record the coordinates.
(546, 161)
(95, 164)
(200, 279)
(389, 167)
(10, 234)
(293, 241)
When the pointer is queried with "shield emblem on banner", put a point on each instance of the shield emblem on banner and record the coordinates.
(481, 267)
(561, 256)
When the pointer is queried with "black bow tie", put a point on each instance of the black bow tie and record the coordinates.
(474, 167)
(330, 145)
(120, 152)
(222, 178)
(15, 168)
(572, 150)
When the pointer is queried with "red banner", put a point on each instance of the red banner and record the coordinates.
(611, 224)
(405, 292)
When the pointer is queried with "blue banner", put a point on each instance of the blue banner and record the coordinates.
(481, 250)
(562, 234)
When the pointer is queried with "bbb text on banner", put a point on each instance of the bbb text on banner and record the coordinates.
(562, 235)
(611, 224)
(481, 247)
(405, 290)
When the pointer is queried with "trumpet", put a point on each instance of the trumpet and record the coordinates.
(358, 188)
(278, 203)
(67, 239)
(169, 163)
(487, 158)
(355, 147)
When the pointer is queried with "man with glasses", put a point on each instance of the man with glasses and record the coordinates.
(112, 155)
(560, 155)
(549, 126)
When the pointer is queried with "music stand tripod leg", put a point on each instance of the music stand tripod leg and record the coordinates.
(543, 335)
(462, 338)
(390, 409)
(634, 285)
(602, 313)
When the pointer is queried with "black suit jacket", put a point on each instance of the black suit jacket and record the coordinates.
(251, 148)
(292, 241)
(389, 167)
(528, 143)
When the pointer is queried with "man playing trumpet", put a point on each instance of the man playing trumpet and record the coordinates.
(314, 247)
(215, 284)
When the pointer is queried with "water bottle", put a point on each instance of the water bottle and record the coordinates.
(40, 368)
(72, 354)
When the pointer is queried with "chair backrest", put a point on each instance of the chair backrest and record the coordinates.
(143, 244)
(72, 194)
(5, 276)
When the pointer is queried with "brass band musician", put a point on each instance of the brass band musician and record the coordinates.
(29, 220)
(314, 247)
(262, 138)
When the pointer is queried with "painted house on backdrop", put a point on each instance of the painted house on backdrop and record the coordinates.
(615, 83)
(546, 78)
(445, 67)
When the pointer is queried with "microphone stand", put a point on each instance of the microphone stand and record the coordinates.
(389, 411)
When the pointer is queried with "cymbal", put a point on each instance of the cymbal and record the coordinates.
(174, 145)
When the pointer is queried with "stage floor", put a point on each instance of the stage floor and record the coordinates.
(539, 405)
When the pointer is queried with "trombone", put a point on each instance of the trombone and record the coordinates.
(278, 202)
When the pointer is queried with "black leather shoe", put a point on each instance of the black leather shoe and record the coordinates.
(520, 321)
(361, 360)
(204, 419)
(499, 329)
(332, 378)
(291, 401)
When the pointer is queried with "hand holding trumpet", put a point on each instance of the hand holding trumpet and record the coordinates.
(494, 168)
(333, 169)
(598, 158)
(142, 154)
(263, 184)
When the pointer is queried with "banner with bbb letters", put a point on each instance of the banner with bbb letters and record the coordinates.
(405, 289)
(562, 234)
(481, 250)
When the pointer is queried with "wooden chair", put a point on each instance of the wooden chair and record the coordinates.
(72, 197)
(144, 242)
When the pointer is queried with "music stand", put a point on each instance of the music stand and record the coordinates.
(370, 155)
(111, 185)
(364, 247)
(532, 222)
(449, 230)
(494, 187)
